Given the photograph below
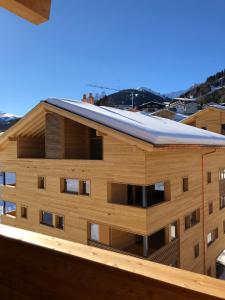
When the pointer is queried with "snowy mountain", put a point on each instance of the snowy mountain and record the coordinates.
(212, 90)
(7, 120)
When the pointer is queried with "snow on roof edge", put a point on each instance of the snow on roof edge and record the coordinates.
(143, 129)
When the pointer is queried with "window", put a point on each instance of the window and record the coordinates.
(41, 182)
(8, 208)
(222, 202)
(85, 187)
(210, 208)
(59, 222)
(196, 250)
(222, 174)
(51, 219)
(192, 219)
(75, 186)
(212, 236)
(71, 186)
(209, 177)
(223, 129)
(24, 212)
(185, 184)
(46, 218)
(8, 178)
(173, 231)
(94, 232)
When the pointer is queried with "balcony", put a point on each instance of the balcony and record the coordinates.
(167, 255)
(139, 196)
(61, 138)
(161, 247)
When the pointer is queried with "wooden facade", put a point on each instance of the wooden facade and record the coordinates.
(211, 118)
(164, 224)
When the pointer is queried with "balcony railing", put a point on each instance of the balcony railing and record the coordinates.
(165, 255)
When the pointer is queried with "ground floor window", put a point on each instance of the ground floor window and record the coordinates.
(51, 219)
(94, 232)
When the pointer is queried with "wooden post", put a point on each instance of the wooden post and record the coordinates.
(144, 197)
(145, 245)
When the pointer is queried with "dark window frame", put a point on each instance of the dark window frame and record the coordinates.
(185, 184)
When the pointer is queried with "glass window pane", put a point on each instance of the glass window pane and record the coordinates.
(10, 178)
(95, 232)
(72, 186)
(47, 218)
(159, 186)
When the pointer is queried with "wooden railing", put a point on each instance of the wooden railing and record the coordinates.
(165, 255)
(50, 268)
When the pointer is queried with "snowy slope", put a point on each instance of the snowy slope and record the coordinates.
(151, 129)
(6, 120)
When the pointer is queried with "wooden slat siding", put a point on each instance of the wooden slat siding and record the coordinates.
(211, 118)
(167, 254)
(77, 142)
(31, 147)
(54, 137)
(35, 11)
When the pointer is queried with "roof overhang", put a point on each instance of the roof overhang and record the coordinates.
(33, 124)
(35, 11)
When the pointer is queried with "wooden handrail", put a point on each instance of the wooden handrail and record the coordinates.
(64, 270)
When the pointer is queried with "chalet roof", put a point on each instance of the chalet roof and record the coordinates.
(187, 100)
(152, 129)
(152, 102)
(204, 110)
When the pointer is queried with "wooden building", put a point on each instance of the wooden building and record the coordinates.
(211, 118)
(184, 106)
(152, 106)
(164, 113)
(143, 186)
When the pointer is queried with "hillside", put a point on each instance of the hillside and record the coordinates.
(212, 90)
(7, 120)
(124, 97)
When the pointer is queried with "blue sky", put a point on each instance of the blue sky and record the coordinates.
(165, 45)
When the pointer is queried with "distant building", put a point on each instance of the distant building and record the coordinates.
(184, 106)
(164, 113)
(151, 106)
(211, 118)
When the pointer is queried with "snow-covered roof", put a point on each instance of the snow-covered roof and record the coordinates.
(218, 106)
(152, 129)
(184, 99)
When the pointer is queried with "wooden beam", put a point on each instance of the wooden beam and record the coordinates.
(78, 269)
(35, 11)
